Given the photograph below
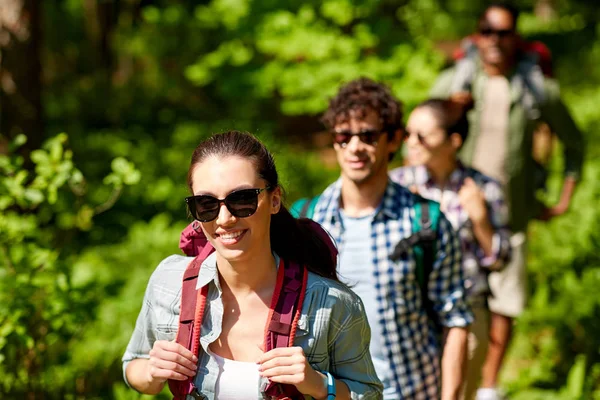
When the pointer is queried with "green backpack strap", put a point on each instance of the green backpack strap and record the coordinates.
(425, 223)
(425, 227)
(305, 207)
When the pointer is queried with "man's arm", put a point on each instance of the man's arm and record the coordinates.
(446, 290)
(454, 361)
(556, 114)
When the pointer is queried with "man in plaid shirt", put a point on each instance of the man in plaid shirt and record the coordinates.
(368, 214)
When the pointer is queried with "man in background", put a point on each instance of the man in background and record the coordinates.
(512, 96)
(368, 214)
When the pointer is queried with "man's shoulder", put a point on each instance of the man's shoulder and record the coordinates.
(402, 194)
(443, 83)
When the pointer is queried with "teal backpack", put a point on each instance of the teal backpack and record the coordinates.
(422, 241)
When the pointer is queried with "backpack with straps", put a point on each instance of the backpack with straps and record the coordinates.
(422, 241)
(286, 307)
(529, 73)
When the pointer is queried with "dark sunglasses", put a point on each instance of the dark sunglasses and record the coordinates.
(500, 32)
(241, 204)
(369, 137)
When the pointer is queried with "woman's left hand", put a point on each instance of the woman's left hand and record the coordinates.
(472, 200)
(288, 365)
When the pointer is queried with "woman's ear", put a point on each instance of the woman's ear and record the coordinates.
(276, 200)
(456, 141)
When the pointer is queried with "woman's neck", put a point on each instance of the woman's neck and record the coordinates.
(253, 274)
(360, 199)
(441, 170)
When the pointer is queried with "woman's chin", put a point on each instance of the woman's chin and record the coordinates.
(417, 160)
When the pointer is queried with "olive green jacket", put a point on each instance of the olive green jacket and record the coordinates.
(520, 165)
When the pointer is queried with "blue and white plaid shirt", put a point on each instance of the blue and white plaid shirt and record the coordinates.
(411, 342)
(475, 261)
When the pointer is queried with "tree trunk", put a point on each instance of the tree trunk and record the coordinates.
(20, 71)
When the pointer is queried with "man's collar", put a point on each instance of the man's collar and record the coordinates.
(386, 206)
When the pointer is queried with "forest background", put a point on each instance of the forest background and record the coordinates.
(114, 95)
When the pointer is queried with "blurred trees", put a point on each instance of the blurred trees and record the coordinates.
(20, 70)
(146, 80)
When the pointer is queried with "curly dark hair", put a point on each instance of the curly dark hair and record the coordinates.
(360, 96)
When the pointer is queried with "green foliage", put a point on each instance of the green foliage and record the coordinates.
(142, 83)
(41, 309)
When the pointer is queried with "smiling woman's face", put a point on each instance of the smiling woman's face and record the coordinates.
(426, 142)
(235, 239)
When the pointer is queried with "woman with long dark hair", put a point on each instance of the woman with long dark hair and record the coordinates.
(472, 202)
(237, 201)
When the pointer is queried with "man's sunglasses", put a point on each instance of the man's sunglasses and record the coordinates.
(369, 137)
(500, 32)
(241, 204)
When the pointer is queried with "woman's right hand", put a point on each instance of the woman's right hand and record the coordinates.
(170, 360)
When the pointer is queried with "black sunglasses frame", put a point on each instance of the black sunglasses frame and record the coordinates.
(190, 201)
(369, 137)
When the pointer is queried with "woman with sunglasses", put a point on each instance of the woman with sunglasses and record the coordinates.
(237, 201)
(472, 202)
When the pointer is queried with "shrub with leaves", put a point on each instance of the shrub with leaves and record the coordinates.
(41, 310)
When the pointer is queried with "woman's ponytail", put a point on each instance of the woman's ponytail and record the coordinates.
(304, 241)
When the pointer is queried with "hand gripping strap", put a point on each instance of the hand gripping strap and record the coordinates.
(286, 307)
(190, 320)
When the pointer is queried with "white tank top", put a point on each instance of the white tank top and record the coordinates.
(237, 380)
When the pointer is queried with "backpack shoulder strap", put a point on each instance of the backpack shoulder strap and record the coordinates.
(304, 208)
(286, 304)
(424, 228)
(190, 318)
(425, 223)
(465, 70)
(423, 242)
(286, 308)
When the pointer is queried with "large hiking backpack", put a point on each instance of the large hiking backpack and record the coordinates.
(286, 308)
(529, 72)
(534, 66)
(422, 241)
(534, 50)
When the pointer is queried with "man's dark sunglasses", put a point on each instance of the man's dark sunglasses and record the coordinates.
(369, 137)
(241, 204)
(500, 32)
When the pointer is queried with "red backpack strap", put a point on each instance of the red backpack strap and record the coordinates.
(190, 319)
(286, 308)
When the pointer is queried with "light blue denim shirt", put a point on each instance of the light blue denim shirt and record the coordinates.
(332, 330)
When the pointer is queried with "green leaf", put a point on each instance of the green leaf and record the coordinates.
(576, 378)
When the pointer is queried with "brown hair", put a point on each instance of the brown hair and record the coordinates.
(450, 115)
(361, 95)
(292, 239)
